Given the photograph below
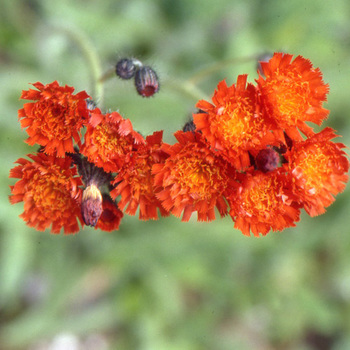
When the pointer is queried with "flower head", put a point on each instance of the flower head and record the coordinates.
(134, 181)
(109, 140)
(192, 178)
(233, 124)
(292, 93)
(48, 186)
(55, 118)
(261, 202)
(110, 217)
(319, 168)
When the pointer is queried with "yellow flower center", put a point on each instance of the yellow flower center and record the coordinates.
(314, 164)
(50, 193)
(288, 98)
(198, 178)
(141, 177)
(261, 199)
(109, 141)
(55, 120)
(236, 124)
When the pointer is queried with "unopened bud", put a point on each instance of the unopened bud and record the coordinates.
(189, 126)
(125, 68)
(146, 81)
(267, 160)
(90, 104)
(91, 205)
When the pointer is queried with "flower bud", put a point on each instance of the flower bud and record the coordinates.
(91, 205)
(146, 81)
(189, 126)
(267, 160)
(90, 104)
(125, 68)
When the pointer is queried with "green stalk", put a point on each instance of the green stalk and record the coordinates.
(87, 48)
(202, 74)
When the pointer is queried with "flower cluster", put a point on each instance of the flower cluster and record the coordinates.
(249, 154)
(281, 164)
(59, 186)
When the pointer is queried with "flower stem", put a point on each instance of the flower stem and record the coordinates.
(110, 73)
(187, 88)
(202, 74)
(90, 54)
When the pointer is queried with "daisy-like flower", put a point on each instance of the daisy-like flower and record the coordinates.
(55, 118)
(109, 140)
(261, 202)
(319, 168)
(110, 217)
(233, 124)
(135, 180)
(49, 188)
(192, 178)
(292, 93)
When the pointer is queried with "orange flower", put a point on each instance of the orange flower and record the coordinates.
(48, 186)
(319, 168)
(263, 202)
(191, 178)
(292, 92)
(109, 139)
(135, 180)
(55, 118)
(110, 217)
(233, 124)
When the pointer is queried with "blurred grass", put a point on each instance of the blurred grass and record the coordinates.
(167, 284)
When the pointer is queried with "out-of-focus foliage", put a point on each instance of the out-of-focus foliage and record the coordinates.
(166, 284)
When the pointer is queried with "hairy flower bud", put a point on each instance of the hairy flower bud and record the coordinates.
(146, 81)
(267, 160)
(125, 68)
(189, 126)
(91, 205)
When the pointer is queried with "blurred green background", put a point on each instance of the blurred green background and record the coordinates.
(167, 284)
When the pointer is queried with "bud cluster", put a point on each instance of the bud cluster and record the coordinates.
(145, 78)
